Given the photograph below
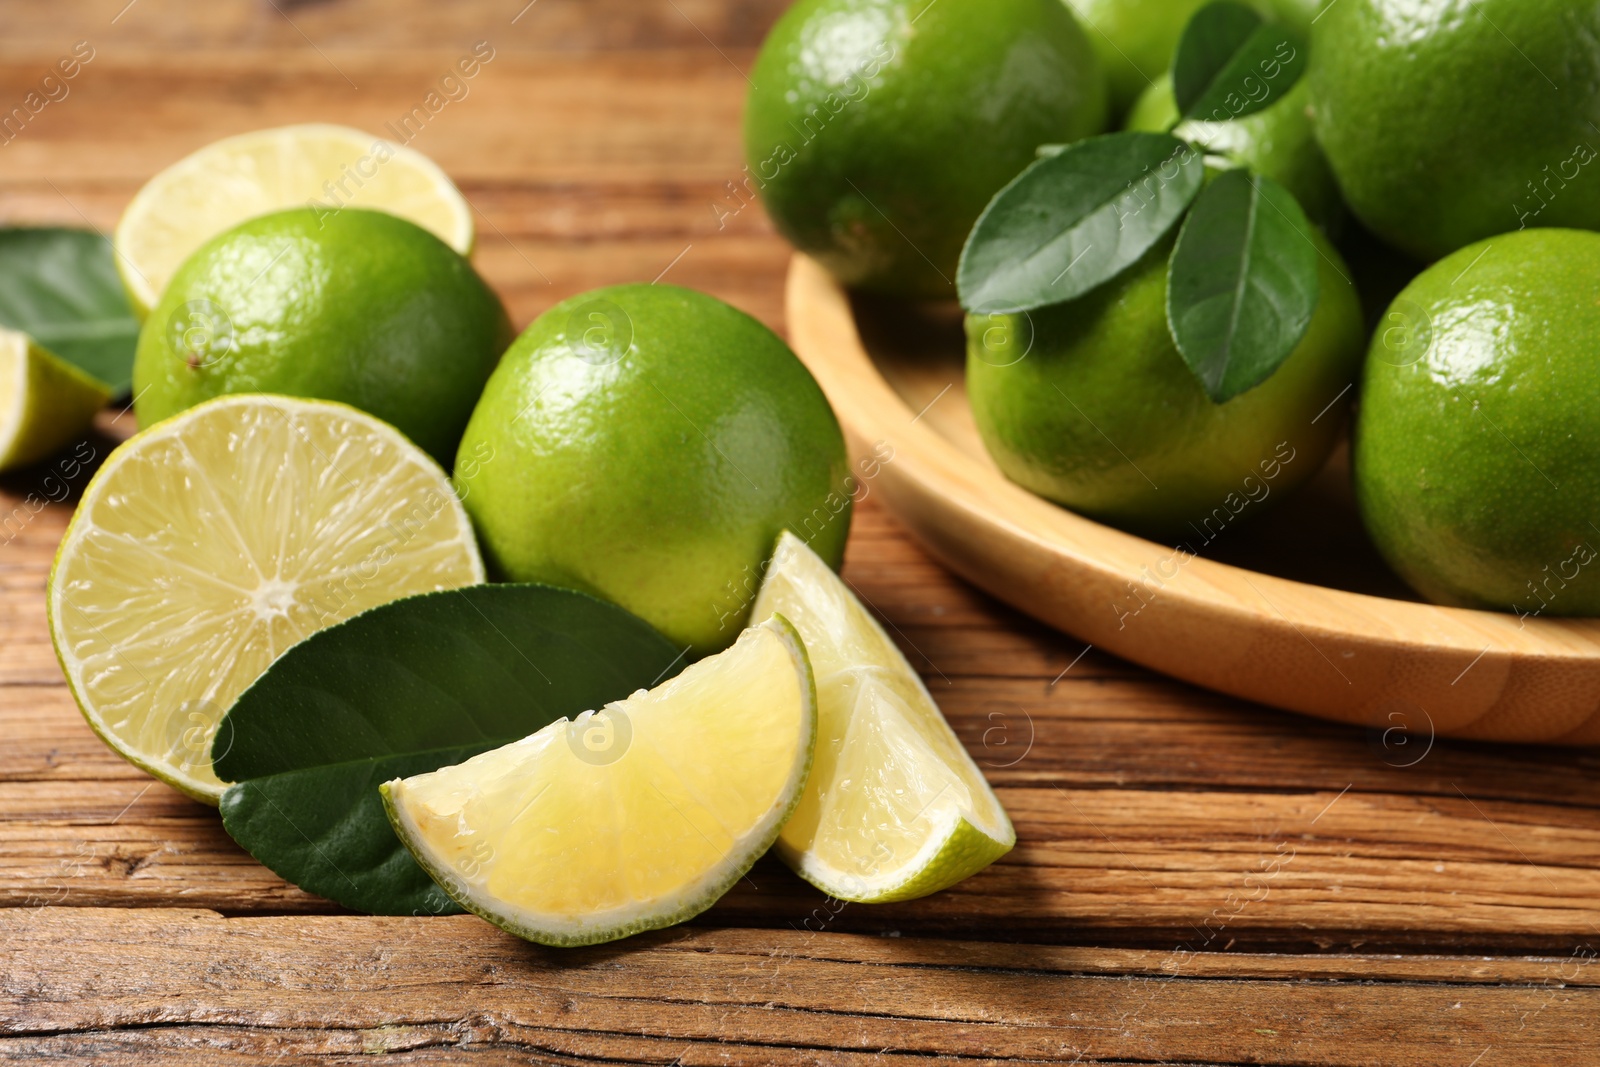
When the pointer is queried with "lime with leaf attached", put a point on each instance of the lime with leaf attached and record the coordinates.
(1091, 404)
(1150, 340)
(1277, 142)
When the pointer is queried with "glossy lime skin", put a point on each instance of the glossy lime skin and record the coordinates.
(357, 306)
(647, 444)
(1136, 38)
(1298, 15)
(1447, 121)
(1102, 415)
(1277, 142)
(1477, 445)
(877, 130)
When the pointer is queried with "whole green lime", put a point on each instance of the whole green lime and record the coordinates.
(1453, 120)
(1477, 445)
(647, 444)
(1277, 141)
(877, 130)
(1090, 404)
(357, 306)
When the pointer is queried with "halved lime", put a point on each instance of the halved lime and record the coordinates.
(45, 402)
(895, 808)
(630, 818)
(211, 542)
(314, 165)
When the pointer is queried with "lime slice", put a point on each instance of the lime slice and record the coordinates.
(45, 402)
(211, 542)
(630, 818)
(895, 808)
(252, 174)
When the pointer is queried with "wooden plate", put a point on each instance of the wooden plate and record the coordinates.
(1297, 611)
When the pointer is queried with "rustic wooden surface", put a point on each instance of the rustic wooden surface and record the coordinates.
(1197, 880)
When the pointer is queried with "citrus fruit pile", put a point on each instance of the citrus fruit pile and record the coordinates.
(276, 595)
(1164, 331)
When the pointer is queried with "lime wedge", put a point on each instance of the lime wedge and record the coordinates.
(895, 807)
(238, 178)
(211, 542)
(630, 818)
(45, 402)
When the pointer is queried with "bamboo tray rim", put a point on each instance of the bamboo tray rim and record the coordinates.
(931, 480)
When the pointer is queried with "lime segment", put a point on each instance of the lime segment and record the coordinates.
(630, 818)
(895, 808)
(45, 402)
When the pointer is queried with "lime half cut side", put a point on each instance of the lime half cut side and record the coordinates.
(629, 818)
(896, 808)
(314, 165)
(211, 542)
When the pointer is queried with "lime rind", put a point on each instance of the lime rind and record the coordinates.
(952, 855)
(676, 908)
(45, 402)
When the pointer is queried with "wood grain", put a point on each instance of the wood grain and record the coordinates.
(384, 28)
(108, 984)
(1155, 818)
(582, 171)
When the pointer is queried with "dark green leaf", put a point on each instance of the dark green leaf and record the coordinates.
(402, 689)
(60, 287)
(1076, 219)
(1230, 63)
(1243, 283)
(319, 819)
(1210, 40)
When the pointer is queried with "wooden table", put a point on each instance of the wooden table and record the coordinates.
(1196, 880)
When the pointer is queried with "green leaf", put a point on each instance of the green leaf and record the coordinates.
(1231, 63)
(1076, 219)
(408, 687)
(1243, 283)
(61, 288)
(316, 822)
